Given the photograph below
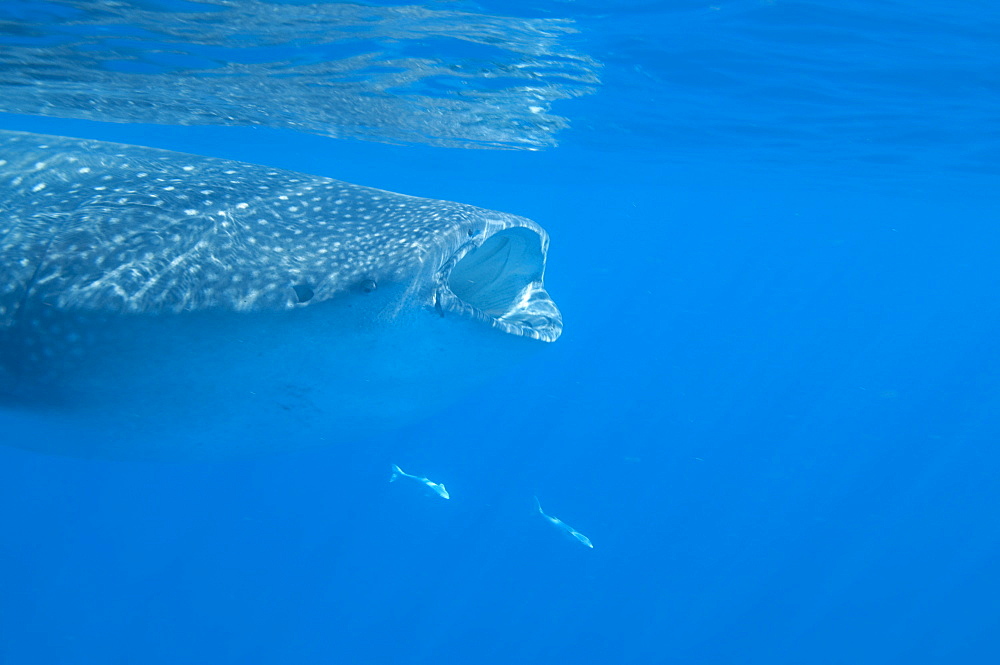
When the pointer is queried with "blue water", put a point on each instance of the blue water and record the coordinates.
(774, 409)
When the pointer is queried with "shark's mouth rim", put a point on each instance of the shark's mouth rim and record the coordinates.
(498, 279)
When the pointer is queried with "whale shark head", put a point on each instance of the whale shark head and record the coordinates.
(156, 304)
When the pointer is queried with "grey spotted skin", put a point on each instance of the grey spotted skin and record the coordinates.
(109, 227)
(155, 300)
(89, 226)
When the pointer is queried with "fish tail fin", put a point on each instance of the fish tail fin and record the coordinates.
(538, 504)
(396, 472)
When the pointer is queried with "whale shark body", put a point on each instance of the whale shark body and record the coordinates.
(162, 305)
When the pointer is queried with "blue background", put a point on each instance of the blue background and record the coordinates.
(774, 409)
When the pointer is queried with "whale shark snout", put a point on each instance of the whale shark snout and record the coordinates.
(156, 304)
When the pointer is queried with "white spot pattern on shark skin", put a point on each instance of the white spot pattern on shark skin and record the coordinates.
(333, 273)
(83, 232)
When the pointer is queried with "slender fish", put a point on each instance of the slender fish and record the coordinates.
(562, 526)
(438, 488)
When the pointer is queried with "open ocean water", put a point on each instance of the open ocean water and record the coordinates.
(774, 409)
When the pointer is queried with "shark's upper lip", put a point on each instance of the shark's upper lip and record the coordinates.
(499, 279)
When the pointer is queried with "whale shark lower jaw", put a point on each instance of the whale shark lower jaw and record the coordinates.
(497, 278)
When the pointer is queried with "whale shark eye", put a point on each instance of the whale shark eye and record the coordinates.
(474, 232)
(303, 292)
(367, 285)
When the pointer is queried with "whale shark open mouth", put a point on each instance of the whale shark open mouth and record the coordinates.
(499, 281)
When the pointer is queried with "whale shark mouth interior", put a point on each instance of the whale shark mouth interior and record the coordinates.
(500, 282)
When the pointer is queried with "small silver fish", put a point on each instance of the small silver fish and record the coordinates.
(562, 526)
(438, 488)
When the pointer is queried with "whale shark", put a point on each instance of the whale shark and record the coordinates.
(155, 304)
